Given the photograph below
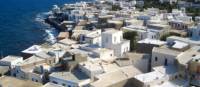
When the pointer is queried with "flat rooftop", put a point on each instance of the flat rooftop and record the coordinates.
(174, 83)
(110, 31)
(185, 40)
(135, 28)
(33, 49)
(188, 55)
(6, 81)
(49, 84)
(115, 77)
(152, 41)
(79, 51)
(10, 58)
(165, 50)
(99, 65)
(179, 45)
(31, 60)
(170, 69)
(74, 76)
(148, 77)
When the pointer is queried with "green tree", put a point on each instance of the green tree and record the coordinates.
(131, 35)
(156, 4)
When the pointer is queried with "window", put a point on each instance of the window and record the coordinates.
(14, 75)
(83, 38)
(193, 76)
(166, 62)
(162, 82)
(156, 58)
(176, 77)
(54, 82)
(63, 84)
(180, 76)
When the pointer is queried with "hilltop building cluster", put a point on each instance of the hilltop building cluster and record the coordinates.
(91, 50)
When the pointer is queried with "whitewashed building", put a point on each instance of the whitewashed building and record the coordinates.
(11, 61)
(94, 37)
(113, 39)
(163, 56)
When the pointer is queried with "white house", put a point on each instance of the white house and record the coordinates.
(95, 68)
(97, 52)
(76, 15)
(153, 31)
(91, 68)
(32, 69)
(94, 37)
(11, 61)
(141, 31)
(113, 39)
(163, 56)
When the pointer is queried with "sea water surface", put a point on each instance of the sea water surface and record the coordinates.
(18, 26)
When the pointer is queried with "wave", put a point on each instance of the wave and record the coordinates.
(51, 35)
(41, 16)
(50, 32)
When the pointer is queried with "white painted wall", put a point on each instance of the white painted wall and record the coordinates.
(62, 81)
(196, 33)
(115, 41)
(161, 59)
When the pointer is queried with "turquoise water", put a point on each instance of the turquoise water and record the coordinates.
(18, 28)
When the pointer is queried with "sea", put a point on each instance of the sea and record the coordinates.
(21, 26)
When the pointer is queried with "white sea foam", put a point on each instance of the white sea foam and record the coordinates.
(51, 32)
(51, 35)
(41, 16)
